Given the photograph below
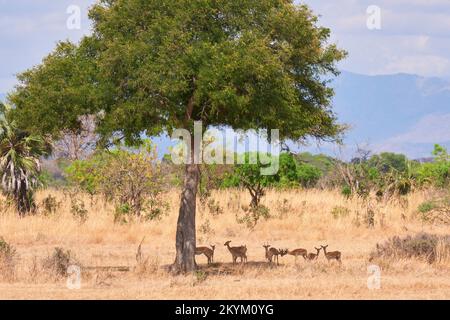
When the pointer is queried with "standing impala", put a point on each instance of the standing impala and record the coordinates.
(333, 255)
(237, 252)
(272, 252)
(209, 253)
(298, 252)
(313, 256)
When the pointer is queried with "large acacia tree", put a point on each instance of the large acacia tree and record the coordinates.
(151, 66)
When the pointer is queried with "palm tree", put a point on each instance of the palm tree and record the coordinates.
(19, 162)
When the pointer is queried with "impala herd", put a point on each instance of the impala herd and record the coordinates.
(272, 254)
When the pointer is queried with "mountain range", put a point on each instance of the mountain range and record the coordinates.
(399, 113)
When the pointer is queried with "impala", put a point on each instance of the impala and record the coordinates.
(272, 252)
(209, 253)
(333, 255)
(313, 256)
(298, 252)
(237, 252)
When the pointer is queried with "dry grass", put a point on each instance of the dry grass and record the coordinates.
(299, 219)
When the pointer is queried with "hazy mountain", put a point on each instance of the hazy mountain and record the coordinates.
(401, 113)
(2, 97)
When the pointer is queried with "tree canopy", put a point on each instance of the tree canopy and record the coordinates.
(247, 64)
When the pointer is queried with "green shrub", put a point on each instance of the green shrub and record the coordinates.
(308, 175)
(426, 206)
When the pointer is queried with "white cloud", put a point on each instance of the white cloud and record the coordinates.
(413, 38)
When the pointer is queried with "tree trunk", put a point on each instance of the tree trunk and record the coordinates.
(185, 236)
(22, 200)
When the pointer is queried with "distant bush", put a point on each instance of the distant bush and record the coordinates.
(58, 263)
(340, 212)
(8, 257)
(132, 179)
(308, 175)
(78, 210)
(427, 206)
(435, 211)
(252, 215)
(50, 205)
(436, 173)
(422, 246)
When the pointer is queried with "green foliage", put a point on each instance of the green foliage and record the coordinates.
(290, 173)
(88, 174)
(320, 161)
(346, 191)
(426, 206)
(436, 173)
(387, 161)
(122, 213)
(131, 178)
(248, 175)
(46, 180)
(19, 161)
(308, 175)
(387, 175)
(252, 64)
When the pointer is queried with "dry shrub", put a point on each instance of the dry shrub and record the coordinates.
(78, 210)
(340, 212)
(199, 277)
(214, 207)
(34, 270)
(252, 215)
(58, 263)
(429, 247)
(8, 261)
(284, 208)
(145, 265)
(436, 211)
(49, 205)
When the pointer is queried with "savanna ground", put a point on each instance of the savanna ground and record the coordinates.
(299, 219)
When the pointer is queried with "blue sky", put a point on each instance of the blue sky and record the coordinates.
(414, 36)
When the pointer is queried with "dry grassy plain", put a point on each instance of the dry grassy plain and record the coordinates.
(305, 221)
